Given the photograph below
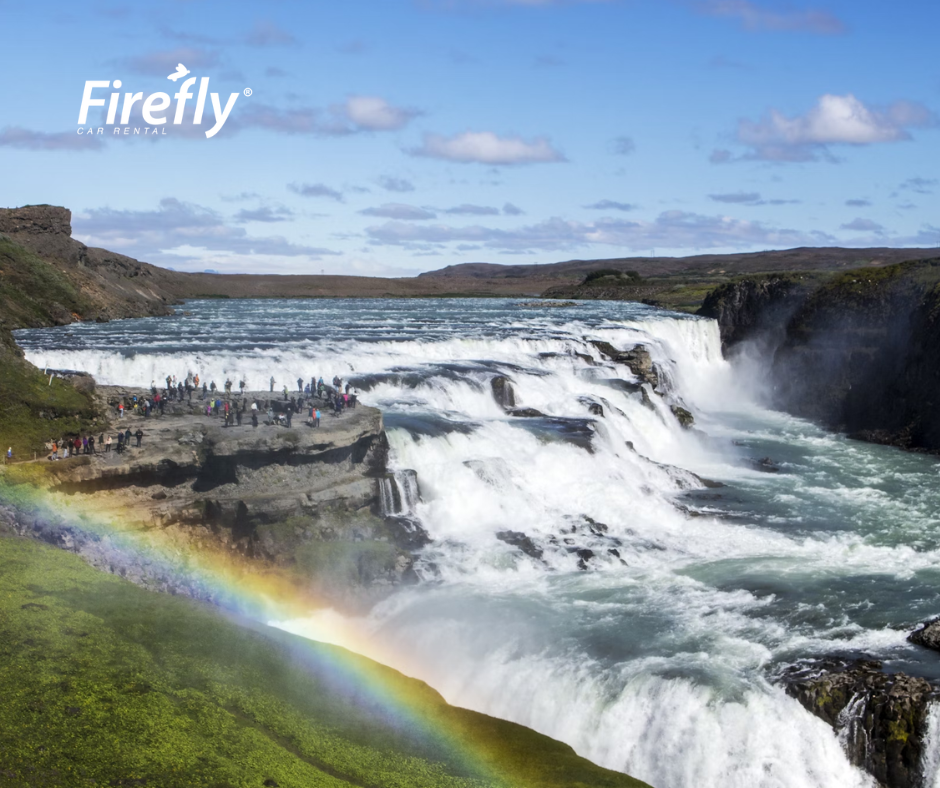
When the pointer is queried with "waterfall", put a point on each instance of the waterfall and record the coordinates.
(398, 493)
(577, 590)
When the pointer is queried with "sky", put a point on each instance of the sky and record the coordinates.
(397, 136)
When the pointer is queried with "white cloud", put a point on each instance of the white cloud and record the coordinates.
(485, 147)
(376, 114)
(670, 230)
(183, 233)
(835, 120)
(611, 205)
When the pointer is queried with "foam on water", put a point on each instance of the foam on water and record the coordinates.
(645, 633)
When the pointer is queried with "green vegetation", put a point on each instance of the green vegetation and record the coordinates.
(103, 683)
(32, 411)
(34, 292)
(611, 276)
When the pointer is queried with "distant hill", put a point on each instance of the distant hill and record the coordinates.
(801, 259)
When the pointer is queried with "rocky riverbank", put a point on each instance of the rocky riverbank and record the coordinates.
(304, 501)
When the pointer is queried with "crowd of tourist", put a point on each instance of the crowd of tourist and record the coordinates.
(233, 409)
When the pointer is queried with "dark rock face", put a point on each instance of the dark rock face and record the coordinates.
(525, 413)
(523, 542)
(858, 354)
(881, 717)
(683, 416)
(502, 392)
(927, 635)
(638, 359)
(748, 307)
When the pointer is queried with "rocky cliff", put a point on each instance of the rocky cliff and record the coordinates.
(858, 353)
(303, 501)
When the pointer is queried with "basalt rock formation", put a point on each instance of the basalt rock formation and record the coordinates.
(881, 718)
(303, 499)
(859, 353)
(927, 635)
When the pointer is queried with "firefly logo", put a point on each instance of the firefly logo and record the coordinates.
(156, 103)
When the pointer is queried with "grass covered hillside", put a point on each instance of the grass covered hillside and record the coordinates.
(105, 684)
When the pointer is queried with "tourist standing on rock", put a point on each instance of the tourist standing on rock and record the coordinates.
(290, 415)
(300, 385)
(241, 387)
(272, 384)
(316, 417)
(91, 445)
(205, 390)
(254, 418)
(10, 453)
(238, 417)
(285, 393)
(120, 446)
(139, 435)
(121, 409)
(127, 438)
(107, 445)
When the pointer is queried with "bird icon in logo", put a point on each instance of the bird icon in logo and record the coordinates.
(181, 71)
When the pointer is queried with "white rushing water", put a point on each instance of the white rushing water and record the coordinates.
(580, 578)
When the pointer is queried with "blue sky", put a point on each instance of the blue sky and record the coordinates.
(398, 136)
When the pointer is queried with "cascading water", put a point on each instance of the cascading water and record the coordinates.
(591, 579)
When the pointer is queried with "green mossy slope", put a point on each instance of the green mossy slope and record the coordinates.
(105, 684)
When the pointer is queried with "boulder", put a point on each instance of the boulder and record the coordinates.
(523, 542)
(685, 418)
(502, 391)
(881, 718)
(638, 359)
(927, 635)
(525, 413)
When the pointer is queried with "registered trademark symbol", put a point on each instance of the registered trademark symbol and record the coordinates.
(247, 91)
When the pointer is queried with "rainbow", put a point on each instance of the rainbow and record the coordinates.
(107, 540)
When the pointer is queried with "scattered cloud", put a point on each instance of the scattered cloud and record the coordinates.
(864, 226)
(376, 114)
(264, 214)
(356, 115)
(268, 34)
(610, 205)
(273, 72)
(164, 63)
(919, 185)
(399, 212)
(182, 232)
(623, 146)
(485, 147)
(834, 120)
(473, 210)
(27, 139)
(670, 230)
(400, 185)
(512, 210)
(316, 190)
(858, 203)
(719, 156)
(736, 197)
(749, 198)
(755, 17)
(240, 197)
